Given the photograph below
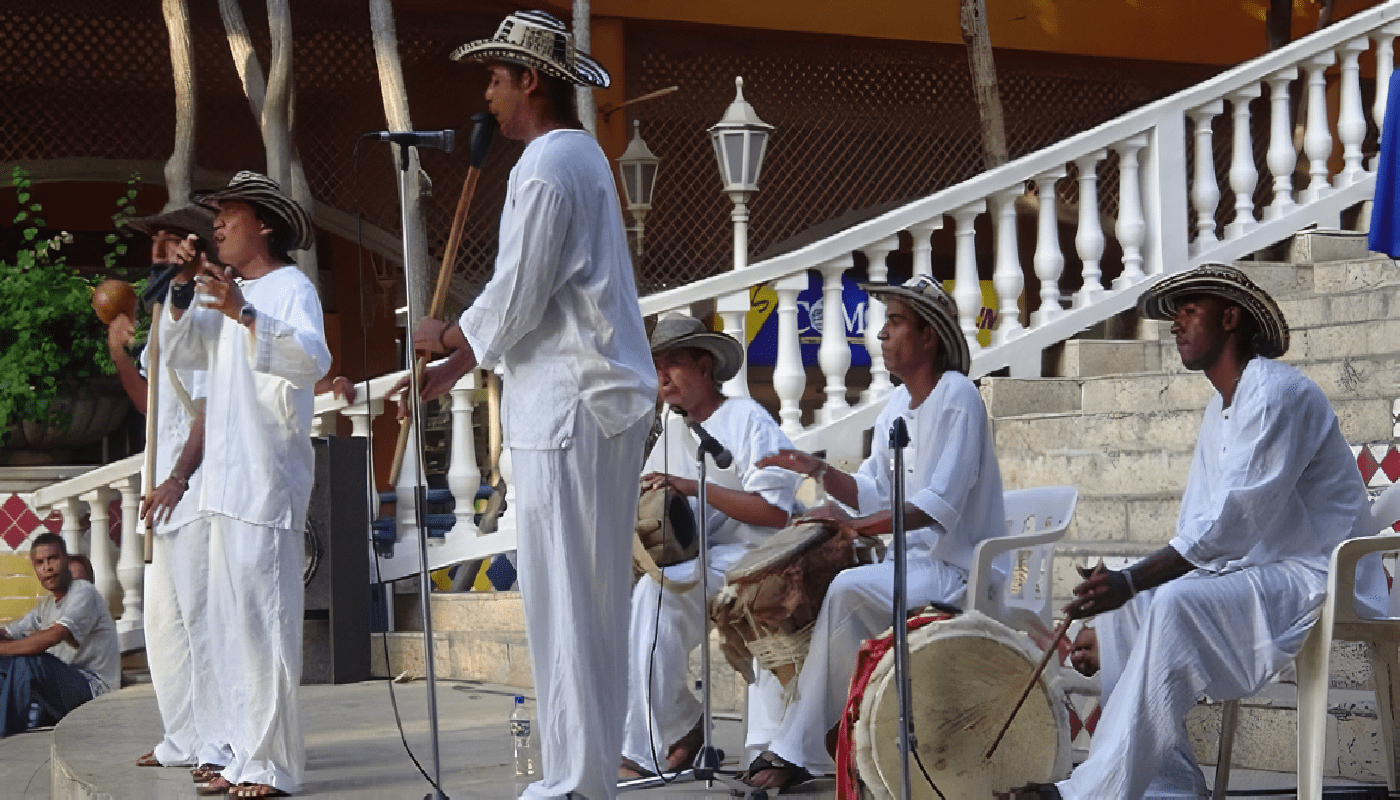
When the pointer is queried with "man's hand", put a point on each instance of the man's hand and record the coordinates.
(340, 386)
(427, 339)
(120, 333)
(825, 513)
(685, 486)
(793, 460)
(1102, 591)
(436, 381)
(218, 289)
(162, 502)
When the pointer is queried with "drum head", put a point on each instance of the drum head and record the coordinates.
(786, 543)
(966, 674)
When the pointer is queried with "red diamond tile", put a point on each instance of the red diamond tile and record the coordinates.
(22, 522)
(1390, 465)
(1367, 464)
(54, 522)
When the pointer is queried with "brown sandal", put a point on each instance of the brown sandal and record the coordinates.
(206, 772)
(218, 785)
(256, 790)
(149, 760)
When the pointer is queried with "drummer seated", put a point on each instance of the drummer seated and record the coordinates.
(953, 485)
(746, 502)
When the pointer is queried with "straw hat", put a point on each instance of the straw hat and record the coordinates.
(189, 219)
(678, 330)
(1221, 280)
(262, 191)
(930, 301)
(537, 39)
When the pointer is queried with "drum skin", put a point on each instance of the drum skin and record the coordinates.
(966, 674)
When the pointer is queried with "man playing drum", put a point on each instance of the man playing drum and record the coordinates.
(953, 485)
(746, 504)
(1273, 488)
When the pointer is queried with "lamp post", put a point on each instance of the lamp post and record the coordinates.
(638, 166)
(740, 141)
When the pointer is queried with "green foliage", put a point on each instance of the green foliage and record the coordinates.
(50, 339)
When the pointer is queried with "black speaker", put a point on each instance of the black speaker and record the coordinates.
(335, 631)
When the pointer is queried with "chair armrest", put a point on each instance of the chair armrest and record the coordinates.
(1341, 577)
(987, 550)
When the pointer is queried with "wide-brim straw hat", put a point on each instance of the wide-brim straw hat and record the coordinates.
(537, 39)
(678, 330)
(1222, 280)
(186, 219)
(262, 191)
(928, 299)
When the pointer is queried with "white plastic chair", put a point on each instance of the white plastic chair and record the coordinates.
(1035, 520)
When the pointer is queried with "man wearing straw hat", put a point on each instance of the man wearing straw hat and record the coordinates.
(1273, 488)
(747, 504)
(560, 315)
(256, 328)
(178, 644)
(954, 501)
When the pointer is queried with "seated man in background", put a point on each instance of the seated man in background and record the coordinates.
(62, 653)
(81, 568)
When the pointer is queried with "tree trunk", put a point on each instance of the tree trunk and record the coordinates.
(984, 81)
(181, 163)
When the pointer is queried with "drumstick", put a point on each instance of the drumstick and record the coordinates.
(152, 395)
(484, 128)
(1045, 659)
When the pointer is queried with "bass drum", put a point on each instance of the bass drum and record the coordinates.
(966, 674)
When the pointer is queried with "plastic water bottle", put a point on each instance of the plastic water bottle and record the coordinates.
(33, 716)
(520, 738)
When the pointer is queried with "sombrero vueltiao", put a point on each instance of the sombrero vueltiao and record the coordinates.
(1221, 280)
(189, 219)
(262, 191)
(537, 39)
(930, 301)
(678, 330)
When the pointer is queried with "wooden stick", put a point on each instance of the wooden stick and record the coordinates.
(1045, 659)
(152, 396)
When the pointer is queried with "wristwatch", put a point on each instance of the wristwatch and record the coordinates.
(247, 315)
(184, 481)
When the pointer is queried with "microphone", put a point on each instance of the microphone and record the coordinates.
(708, 444)
(899, 434)
(437, 140)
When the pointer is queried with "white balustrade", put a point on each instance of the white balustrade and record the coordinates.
(1132, 227)
(789, 378)
(1281, 156)
(1351, 120)
(1007, 279)
(1244, 176)
(1205, 192)
(463, 474)
(834, 355)
(1089, 239)
(922, 234)
(1385, 65)
(1317, 139)
(131, 566)
(879, 271)
(1049, 261)
(71, 509)
(733, 310)
(967, 286)
(100, 540)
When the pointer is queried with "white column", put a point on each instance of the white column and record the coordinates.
(1351, 119)
(1243, 174)
(1049, 261)
(405, 495)
(922, 234)
(789, 378)
(967, 287)
(733, 309)
(834, 355)
(323, 425)
(1385, 65)
(1132, 228)
(1205, 192)
(1007, 279)
(1281, 158)
(1089, 238)
(875, 319)
(72, 531)
(463, 474)
(100, 542)
(362, 414)
(131, 568)
(1317, 141)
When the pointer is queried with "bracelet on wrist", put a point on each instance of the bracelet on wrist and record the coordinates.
(1128, 576)
(182, 480)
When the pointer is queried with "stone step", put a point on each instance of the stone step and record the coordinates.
(1362, 304)
(1080, 358)
(1324, 244)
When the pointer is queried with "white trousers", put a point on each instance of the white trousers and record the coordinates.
(1219, 635)
(859, 604)
(255, 612)
(575, 511)
(179, 649)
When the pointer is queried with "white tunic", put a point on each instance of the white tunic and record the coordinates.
(173, 421)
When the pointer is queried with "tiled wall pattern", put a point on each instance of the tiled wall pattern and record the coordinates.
(18, 524)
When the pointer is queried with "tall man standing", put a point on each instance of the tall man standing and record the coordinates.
(261, 340)
(560, 314)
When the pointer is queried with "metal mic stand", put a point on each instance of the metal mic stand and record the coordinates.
(899, 439)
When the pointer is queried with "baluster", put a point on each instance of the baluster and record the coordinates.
(1132, 228)
(506, 466)
(100, 543)
(922, 234)
(733, 309)
(789, 378)
(71, 508)
(362, 413)
(1049, 261)
(834, 355)
(879, 272)
(1317, 141)
(323, 425)
(463, 474)
(1089, 238)
(1205, 192)
(1351, 120)
(1243, 174)
(1007, 279)
(131, 568)
(1385, 65)
(405, 491)
(967, 287)
(1282, 158)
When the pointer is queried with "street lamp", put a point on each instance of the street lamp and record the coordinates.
(638, 166)
(740, 140)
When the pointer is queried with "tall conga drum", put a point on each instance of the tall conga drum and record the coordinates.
(966, 672)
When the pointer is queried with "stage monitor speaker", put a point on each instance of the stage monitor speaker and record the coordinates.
(335, 632)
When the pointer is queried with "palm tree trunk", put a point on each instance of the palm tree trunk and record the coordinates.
(984, 81)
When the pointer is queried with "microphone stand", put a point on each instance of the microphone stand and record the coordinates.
(899, 439)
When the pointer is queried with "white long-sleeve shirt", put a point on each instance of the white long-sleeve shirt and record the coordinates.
(561, 313)
(258, 463)
(173, 425)
(951, 470)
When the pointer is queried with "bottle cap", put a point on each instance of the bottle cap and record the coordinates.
(520, 699)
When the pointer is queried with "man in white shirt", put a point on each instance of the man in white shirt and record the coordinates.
(954, 500)
(560, 314)
(62, 653)
(1273, 488)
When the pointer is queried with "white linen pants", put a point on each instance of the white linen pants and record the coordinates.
(576, 509)
(859, 604)
(179, 649)
(1219, 635)
(255, 612)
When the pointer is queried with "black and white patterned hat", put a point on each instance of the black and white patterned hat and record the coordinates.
(1221, 280)
(262, 191)
(537, 39)
(927, 297)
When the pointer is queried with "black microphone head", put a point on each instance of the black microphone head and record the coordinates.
(483, 129)
(899, 433)
(449, 137)
(724, 459)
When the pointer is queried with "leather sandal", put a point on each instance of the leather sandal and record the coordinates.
(767, 761)
(149, 760)
(256, 790)
(1031, 791)
(218, 785)
(206, 772)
